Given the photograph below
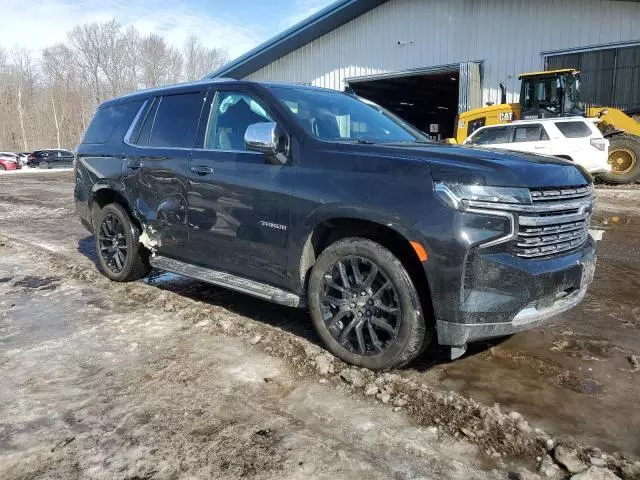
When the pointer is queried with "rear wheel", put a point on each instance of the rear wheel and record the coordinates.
(44, 165)
(364, 305)
(624, 158)
(121, 256)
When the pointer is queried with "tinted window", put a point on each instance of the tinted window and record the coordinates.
(176, 120)
(492, 136)
(231, 114)
(145, 131)
(530, 133)
(475, 125)
(574, 129)
(107, 119)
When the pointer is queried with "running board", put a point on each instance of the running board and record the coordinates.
(227, 280)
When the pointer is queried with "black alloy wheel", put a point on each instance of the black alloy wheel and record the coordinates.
(113, 243)
(360, 306)
(364, 305)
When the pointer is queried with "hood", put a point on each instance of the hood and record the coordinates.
(466, 164)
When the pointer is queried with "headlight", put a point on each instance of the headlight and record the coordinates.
(462, 196)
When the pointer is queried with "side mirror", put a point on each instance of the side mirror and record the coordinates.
(267, 138)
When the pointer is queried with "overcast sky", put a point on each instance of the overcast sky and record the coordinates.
(236, 25)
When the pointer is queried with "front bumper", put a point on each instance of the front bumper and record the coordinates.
(458, 334)
(510, 295)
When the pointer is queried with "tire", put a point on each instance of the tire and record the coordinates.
(44, 165)
(624, 157)
(345, 322)
(2, 167)
(113, 222)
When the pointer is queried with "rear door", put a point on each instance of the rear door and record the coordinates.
(532, 138)
(239, 201)
(156, 159)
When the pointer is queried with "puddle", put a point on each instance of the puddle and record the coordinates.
(34, 319)
(609, 221)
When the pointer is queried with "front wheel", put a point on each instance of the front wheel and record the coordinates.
(2, 167)
(624, 158)
(121, 256)
(364, 305)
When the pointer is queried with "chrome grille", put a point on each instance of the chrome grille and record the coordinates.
(558, 222)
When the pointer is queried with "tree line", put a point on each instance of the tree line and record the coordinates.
(47, 100)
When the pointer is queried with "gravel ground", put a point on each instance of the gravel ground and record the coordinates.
(209, 383)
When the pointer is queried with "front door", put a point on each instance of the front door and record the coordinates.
(238, 200)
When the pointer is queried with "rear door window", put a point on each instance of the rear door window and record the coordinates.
(107, 119)
(530, 133)
(574, 129)
(492, 136)
(175, 123)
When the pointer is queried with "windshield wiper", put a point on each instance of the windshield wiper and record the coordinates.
(409, 142)
(354, 140)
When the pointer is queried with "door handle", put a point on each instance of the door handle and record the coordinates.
(134, 164)
(539, 147)
(202, 170)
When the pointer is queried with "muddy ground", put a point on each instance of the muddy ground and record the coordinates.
(172, 378)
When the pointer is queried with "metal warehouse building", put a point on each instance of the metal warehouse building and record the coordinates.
(427, 60)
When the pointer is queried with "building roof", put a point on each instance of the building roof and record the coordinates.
(317, 25)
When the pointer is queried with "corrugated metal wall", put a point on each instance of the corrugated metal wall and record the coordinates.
(609, 77)
(508, 35)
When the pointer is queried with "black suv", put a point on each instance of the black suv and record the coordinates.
(311, 197)
(50, 159)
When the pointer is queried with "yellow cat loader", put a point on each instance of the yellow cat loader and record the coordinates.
(556, 93)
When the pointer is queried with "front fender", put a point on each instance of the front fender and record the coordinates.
(301, 251)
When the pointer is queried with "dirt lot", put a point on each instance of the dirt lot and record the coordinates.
(172, 378)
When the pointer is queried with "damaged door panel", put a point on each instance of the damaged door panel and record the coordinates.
(155, 169)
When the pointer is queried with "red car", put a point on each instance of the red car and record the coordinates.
(9, 161)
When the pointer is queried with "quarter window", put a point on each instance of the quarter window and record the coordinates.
(574, 129)
(492, 136)
(106, 120)
(231, 114)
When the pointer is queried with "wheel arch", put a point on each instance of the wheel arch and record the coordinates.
(104, 194)
(393, 236)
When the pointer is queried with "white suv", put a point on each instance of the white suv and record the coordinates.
(573, 138)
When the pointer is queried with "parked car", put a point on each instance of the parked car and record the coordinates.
(9, 161)
(23, 158)
(50, 159)
(574, 138)
(311, 197)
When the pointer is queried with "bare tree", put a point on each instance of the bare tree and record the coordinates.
(159, 63)
(199, 60)
(58, 66)
(24, 69)
(92, 42)
(50, 102)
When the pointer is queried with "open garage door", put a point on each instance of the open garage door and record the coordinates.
(427, 98)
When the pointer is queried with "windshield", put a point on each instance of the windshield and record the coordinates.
(546, 94)
(334, 116)
(573, 103)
